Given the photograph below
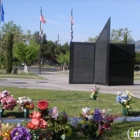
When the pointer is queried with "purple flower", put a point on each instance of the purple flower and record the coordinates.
(97, 115)
(20, 133)
(97, 111)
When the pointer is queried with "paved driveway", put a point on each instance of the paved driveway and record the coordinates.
(57, 80)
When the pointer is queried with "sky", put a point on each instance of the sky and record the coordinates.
(89, 16)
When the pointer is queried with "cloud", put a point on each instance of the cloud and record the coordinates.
(54, 22)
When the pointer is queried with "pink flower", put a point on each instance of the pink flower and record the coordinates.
(54, 113)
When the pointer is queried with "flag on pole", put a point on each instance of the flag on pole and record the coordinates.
(72, 23)
(42, 19)
(1, 12)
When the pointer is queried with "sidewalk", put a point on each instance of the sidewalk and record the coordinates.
(60, 81)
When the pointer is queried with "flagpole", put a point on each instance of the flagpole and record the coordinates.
(40, 45)
(71, 24)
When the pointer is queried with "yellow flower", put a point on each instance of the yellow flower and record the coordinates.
(67, 131)
(125, 102)
(5, 130)
(129, 93)
(82, 122)
(118, 92)
(127, 106)
(92, 112)
(6, 134)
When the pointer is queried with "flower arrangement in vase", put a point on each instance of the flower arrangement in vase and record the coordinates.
(7, 102)
(94, 93)
(125, 99)
(25, 104)
(93, 123)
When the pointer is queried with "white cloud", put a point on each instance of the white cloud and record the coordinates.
(54, 22)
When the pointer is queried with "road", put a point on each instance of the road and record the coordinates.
(57, 80)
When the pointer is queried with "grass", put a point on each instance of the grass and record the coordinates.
(73, 102)
(20, 74)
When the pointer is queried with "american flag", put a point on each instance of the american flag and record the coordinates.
(72, 23)
(42, 19)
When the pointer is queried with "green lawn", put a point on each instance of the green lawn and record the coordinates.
(72, 102)
(20, 74)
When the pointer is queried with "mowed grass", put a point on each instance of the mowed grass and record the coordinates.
(73, 102)
(20, 74)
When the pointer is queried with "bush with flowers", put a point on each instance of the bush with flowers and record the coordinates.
(93, 123)
(125, 99)
(94, 92)
(7, 101)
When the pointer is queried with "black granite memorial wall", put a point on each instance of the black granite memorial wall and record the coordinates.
(121, 64)
(102, 56)
(102, 63)
(81, 63)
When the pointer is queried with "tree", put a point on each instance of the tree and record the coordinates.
(7, 31)
(90, 39)
(26, 53)
(9, 53)
(63, 59)
(121, 35)
(137, 58)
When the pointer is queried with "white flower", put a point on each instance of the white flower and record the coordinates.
(86, 110)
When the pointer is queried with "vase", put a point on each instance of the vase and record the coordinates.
(94, 97)
(1, 112)
(26, 113)
(125, 112)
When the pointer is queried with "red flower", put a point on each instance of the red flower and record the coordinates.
(37, 123)
(35, 115)
(42, 123)
(43, 105)
(30, 125)
(100, 132)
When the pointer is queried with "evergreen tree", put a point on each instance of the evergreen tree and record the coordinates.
(9, 53)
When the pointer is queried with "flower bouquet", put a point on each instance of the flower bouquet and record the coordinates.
(26, 104)
(125, 99)
(58, 124)
(11, 132)
(42, 106)
(95, 92)
(93, 123)
(7, 102)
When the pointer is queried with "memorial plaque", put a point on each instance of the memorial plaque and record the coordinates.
(81, 63)
(121, 64)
